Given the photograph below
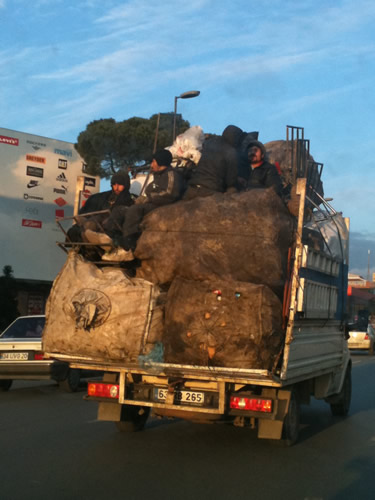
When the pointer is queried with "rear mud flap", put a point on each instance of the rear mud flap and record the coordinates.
(272, 429)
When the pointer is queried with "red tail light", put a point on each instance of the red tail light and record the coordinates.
(38, 356)
(252, 404)
(366, 336)
(100, 390)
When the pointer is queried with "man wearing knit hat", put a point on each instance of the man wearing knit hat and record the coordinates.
(119, 195)
(167, 187)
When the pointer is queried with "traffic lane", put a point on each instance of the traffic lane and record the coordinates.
(51, 442)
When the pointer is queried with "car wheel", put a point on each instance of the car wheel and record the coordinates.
(133, 418)
(72, 381)
(341, 406)
(5, 385)
(291, 422)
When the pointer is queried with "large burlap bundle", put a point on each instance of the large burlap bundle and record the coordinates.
(243, 237)
(289, 156)
(222, 323)
(100, 313)
(285, 154)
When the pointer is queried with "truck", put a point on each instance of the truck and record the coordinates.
(312, 360)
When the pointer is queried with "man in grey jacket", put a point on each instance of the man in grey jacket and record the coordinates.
(123, 226)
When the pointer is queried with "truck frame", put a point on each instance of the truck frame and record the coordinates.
(313, 363)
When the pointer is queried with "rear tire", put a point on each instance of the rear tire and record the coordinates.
(341, 406)
(291, 422)
(5, 385)
(133, 418)
(72, 381)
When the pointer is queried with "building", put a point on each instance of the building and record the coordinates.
(361, 296)
(38, 184)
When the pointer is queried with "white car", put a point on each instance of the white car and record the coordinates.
(21, 356)
(362, 339)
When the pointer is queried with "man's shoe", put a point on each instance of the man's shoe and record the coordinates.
(118, 255)
(101, 239)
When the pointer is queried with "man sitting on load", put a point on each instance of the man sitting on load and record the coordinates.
(123, 226)
(261, 173)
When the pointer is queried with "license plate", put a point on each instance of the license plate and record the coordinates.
(14, 356)
(180, 396)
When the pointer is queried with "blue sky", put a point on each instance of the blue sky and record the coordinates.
(259, 65)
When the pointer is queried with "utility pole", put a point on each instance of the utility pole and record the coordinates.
(368, 265)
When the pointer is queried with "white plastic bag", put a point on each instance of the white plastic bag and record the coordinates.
(187, 146)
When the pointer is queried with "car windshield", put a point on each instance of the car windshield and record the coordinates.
(24, 328)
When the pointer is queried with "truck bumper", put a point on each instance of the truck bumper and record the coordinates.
(34, 370)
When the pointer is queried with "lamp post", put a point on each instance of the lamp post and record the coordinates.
(185, 95)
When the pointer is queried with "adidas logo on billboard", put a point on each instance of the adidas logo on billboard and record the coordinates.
(61, 178)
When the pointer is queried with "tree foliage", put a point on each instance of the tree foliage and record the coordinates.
(108, 146)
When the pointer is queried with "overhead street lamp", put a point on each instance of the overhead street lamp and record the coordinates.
(185, 95)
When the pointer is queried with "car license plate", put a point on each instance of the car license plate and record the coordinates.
(14, 356)
(180, 396)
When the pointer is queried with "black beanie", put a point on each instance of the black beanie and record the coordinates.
(121, 178)
(163, 157)
(258, 144)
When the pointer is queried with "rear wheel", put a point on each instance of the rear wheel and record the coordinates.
(5, 385)
(133, 418)
(291, 422)
(72, 381)
(340, 406)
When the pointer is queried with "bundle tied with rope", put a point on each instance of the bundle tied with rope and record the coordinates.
(241, 237)
(224, 260)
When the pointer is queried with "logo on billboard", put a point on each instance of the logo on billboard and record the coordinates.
(63, 164)
(33, 184)
(62, 190)
(36, 145)
(30, 197)
(59, 212)
(90, 181)
(60, 202)
(62, 177)
(32, 211)
(34, 171)
(36, 159)
(12, 141)
(32, 223)
(64, 152)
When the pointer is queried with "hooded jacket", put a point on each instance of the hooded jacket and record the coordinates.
(217, 167)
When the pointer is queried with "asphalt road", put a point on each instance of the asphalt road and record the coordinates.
(52, 447)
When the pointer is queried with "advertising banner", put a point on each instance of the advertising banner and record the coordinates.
(38, 183)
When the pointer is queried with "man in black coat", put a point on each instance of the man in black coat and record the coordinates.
(119, 195)
(216, 171)
(261, 173)
(167, 187)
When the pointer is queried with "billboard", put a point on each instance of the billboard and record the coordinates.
(38, 183)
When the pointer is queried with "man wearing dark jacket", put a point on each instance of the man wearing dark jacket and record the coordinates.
(166, 187)
(119, 195)
(262, 174)
(216, 171)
